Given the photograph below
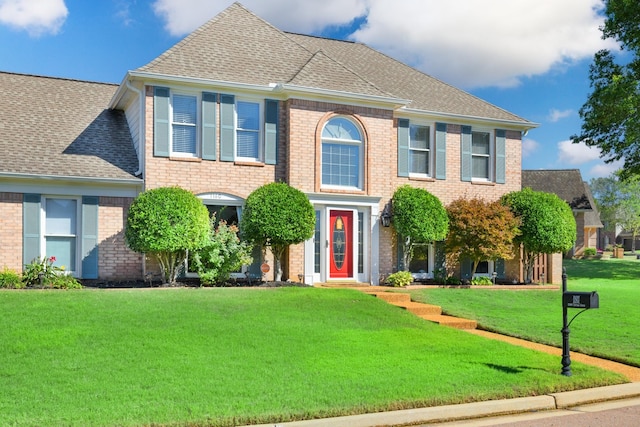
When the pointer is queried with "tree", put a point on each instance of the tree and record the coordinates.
(277, 215)
(610, 115)
(418, 217)
(618, 200)
(165, 223)
(223, 254)
(547, 224)
(480, 231)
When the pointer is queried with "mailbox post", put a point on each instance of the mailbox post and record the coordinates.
(583, 300)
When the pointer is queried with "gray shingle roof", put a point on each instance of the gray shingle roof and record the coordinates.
(569, 186)
(237, 46)
(61, 127)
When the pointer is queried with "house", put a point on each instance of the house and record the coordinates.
(569, 186)
(237, 104)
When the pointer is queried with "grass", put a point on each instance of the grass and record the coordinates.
(610, 331)
(220, 357)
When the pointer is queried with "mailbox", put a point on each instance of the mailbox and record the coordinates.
(580, 299)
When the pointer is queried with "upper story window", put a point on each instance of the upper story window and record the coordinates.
(184, 125)
(480, 156)
(419, 150)
(342, 153)
(483, 155)
(248, 130)
(214, 126)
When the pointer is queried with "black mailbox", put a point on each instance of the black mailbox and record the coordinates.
(580, 299)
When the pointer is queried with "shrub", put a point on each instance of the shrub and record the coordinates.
(481, 281)
(589, 251)
(10, 279)
(223, 254)
(400, 279)
(42, 272)
(165, 223)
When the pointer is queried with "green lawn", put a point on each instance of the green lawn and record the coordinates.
(232, 356)
(610, 331)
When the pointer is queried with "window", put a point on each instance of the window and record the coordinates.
(342, 154)
(419, 150)
(421, 261)
(184, 125)
(247, 130)
(60, 231)
(480, 155)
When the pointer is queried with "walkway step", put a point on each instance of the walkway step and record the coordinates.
(392, 297)
(420, 309)
(453, 322)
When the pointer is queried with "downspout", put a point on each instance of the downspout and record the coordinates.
(141, 129)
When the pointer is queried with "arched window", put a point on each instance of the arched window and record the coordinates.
(342, 154)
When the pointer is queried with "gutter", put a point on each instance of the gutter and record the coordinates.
(86, 179)
(523, 124)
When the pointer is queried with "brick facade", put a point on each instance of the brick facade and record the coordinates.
(10, 228)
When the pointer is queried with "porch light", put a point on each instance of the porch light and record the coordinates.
(385, 218)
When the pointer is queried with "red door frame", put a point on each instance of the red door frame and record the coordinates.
(340, 244)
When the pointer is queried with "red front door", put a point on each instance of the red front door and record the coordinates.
(341, 244)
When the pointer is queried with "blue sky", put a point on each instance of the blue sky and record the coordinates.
(530, 57)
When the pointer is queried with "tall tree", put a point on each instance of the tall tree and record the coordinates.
(480, 231)
(547, 224)
(277, 215)
(610, 115)
(418, 217)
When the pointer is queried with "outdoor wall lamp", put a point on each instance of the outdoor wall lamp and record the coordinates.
(385, 218)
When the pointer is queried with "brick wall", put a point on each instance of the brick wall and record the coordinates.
(11, 231)
(115, 260)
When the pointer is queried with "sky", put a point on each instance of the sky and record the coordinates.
(530, 57)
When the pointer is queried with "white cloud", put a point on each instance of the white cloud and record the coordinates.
(529, 146)
(183, 16)
(37, 17)
(576, 154)
(602, 170)
(467, 43)
(556, 115)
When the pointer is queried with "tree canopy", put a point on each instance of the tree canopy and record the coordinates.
(167, 222)
(610, 115)
(480, 231)
(418, 217)
(547, 224)
(277, 215)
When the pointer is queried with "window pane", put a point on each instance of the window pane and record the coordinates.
(480, 141)
(247, 144)
(316, 245)
(64, 249)
(184, 109)
(248, 115)
(483, 267)
(184, 139)
(341, 128)
(60, 217)
(360, 242)
(419, 162)
(340, 165)
(419, 137)
(481, 167)
(420, 261)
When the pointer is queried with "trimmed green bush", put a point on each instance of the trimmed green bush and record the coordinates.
(481, 281)
(589, 251)
(10, 279)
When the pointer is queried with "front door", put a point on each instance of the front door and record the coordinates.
(340, 244)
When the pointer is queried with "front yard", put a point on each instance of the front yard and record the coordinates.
(232, 356)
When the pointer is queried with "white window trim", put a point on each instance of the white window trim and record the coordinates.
(197, 125)
(260, 131)
(351, 142)
(78, 236)
(491, 156)
(431, 164)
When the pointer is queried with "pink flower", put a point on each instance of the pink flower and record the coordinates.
(52, 259)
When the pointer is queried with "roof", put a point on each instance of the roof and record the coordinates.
(60, 127)
(569, 186)
(237, 46)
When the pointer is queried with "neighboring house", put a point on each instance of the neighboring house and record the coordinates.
(569, 186)
(235, 105)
